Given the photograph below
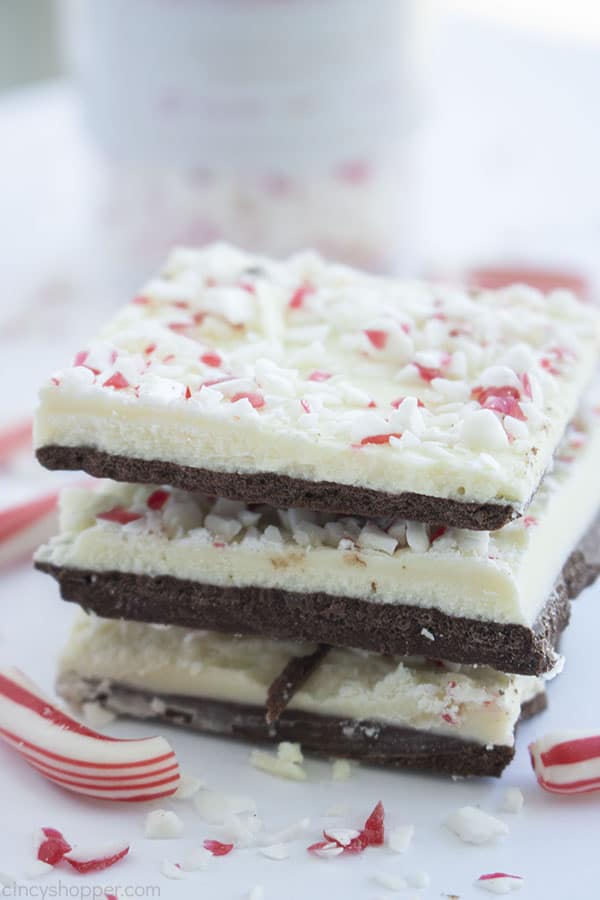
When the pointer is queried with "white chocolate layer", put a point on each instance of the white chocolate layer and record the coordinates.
(504, 576)
(239, 364)
(474, 703)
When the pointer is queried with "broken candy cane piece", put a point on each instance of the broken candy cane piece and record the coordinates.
(567, 763)
(51, 846)
(500, 882)
(326, 849)
(95, 859)
(162, 823)
(15, 438)
(217, 848)
(349, 840)
(75, 757)
(25, 526)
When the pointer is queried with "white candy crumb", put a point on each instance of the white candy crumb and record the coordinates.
(427, 634)
(162, 823)
(399, 839)
(500, 885)
(275, 851)
(188, 786)
(198, 858)
(274, 765)
(418, 879)
(257, 892)
(328, 851)
(473, 826)
(391, 882)
(289, 752)
(216, 807)
(241, 830)
(341, 770)
(512, 802)
(96, 715)
(38, 869)
(170, 870)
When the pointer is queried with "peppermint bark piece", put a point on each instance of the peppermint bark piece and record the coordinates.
(309, 384)
(398, 712)
(161, 555)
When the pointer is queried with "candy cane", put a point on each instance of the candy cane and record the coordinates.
(25, 526)
(567, 763)
(15, 438)
(77, 758)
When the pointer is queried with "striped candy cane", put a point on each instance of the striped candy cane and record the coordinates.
(77, 758)
(567, 763)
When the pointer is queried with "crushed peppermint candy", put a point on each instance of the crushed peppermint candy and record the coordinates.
(275, 851)
(400, 838)
(216, 807)
(172, 870)
(217, 848)
(500, 882)
(474, 826)
(119, 515)
(51, 846)
(162, 823)
(512, 801)
(95, 859)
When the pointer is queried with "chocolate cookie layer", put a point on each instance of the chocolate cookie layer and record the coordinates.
(369, 741)
(394, 629)
(280, 490)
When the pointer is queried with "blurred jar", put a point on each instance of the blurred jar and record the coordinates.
(274, 124)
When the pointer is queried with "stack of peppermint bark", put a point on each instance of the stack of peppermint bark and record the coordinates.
(344, 510)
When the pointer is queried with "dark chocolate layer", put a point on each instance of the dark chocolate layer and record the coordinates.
(280, 490)
(394, 629)
(369, 741)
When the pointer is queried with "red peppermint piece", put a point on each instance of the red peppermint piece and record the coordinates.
(157, 499)
(211, 358)
(80, 358)
(380, 438)
(180, 327)
(297, 298)
(119, 514)
(181, 304)
(373, 830)
(528, 521)
(507, 406)
(305, 405)
(150, 349)
(249, 288)
(141, 301)
(319, 376)
(199, 318)
(378, 338)
(448, 718)
(52, 847)
(526, 382)
(188, 393)
(255, 399)
(428, 373)
(96, 859)
(549, 366)
(217, 848)
(117, 381)
(492, 875)
(482, 394)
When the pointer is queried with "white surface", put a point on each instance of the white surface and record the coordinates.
(512, 173)
(549, 840)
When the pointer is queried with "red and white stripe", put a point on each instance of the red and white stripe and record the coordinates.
(25, 526)
(75, 757)
(568, 762)
(15, 438)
